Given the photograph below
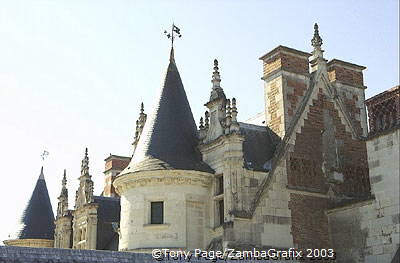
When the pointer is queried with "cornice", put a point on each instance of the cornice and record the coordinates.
(161, 178)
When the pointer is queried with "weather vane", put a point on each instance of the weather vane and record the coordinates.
(171, 35)
(44, 154)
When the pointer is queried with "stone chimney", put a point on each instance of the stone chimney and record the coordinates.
(286, 78)
(113, 166)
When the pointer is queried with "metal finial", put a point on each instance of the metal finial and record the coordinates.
(316, 41)
(142, 108)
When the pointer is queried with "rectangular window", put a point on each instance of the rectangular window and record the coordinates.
(157, 213)
(220, 185)
(221, 211)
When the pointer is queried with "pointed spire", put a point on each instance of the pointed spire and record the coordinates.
(37, 221)
(217, 92)
(169, 138)
(41, 176)
(64, 180)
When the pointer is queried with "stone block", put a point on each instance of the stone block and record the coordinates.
(377, 250)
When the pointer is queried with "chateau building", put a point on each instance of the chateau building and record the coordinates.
(307, 172)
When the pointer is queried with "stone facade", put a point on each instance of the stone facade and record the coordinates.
(369, 231)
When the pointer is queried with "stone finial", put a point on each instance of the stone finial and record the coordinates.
(206, 120)
(140, 122)
(203, 131)
(216, 92)
(85, 164)
(141, 108)
(234, 125)
(316, 41)
(228, 116)
(201, 123)
(234, 109)
(317, 60)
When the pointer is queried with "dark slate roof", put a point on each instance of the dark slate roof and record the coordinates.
(258, 147)
(169, 138)
(38, 219)
(108, 212)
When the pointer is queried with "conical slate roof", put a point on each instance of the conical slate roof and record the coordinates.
(169, 137)
(38, 219)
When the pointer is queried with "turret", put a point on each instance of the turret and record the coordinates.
(37, 222)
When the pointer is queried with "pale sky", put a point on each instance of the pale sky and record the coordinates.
(73, 73)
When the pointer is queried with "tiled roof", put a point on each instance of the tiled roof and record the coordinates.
(258, 146)
(169, 138)
(108, 212)
(38, 219)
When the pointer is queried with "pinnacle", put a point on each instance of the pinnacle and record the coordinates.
(316, 41)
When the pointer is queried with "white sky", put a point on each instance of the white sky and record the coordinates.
(73, 73)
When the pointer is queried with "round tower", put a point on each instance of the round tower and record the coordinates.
(165, 188)
(37, 222)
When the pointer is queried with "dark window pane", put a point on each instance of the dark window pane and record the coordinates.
(221, 211)
(157, 213)
(220, 185)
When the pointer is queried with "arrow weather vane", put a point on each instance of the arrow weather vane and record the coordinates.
(171, 35)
